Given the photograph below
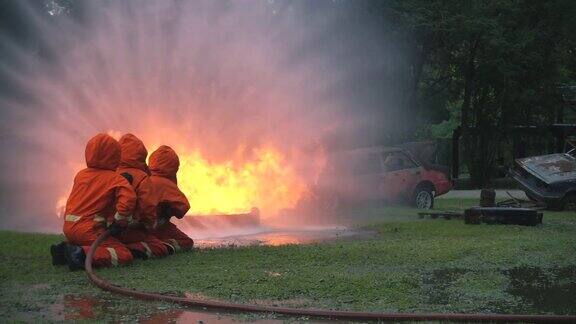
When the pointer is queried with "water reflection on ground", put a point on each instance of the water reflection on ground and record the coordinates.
(79, 307)
(82, 308)
(538, 290)
(186, 316)
(276, 237)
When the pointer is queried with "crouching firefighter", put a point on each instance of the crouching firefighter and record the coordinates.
(100, 199)
(170, 201)
(138, 237)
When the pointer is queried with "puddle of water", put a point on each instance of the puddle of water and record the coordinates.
(539, 290)
(78, 308)
(186, 316)
(276, 237)
(206, 317)
(550, 290)
(438, 282)
(74, 308)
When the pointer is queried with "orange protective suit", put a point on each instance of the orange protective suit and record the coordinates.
(133, 162)
(164, 164)
(99, 197)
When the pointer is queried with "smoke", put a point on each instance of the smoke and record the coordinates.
(221, 77)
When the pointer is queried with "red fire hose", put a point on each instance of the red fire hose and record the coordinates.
(105, 285)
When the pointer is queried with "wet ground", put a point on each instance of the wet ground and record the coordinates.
(524, 290)
(529, 290)
(78, 308)
(276, 237)
(75, 307)
(545, 290)
(184, 316)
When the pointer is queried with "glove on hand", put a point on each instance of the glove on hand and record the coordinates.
(115, 229)
(164, 213)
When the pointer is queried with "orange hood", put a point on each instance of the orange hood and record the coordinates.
(133, 154)
(102, 152)
(164, 163)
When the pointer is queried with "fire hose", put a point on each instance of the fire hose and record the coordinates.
(332, 314)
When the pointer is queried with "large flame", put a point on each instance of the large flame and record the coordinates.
(265, 181)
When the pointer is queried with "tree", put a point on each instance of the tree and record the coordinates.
(501, 61)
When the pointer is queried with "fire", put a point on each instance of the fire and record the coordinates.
(265, 181)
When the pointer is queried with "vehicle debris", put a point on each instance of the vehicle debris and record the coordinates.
(548, 179)
(520, 203)
(503, 215)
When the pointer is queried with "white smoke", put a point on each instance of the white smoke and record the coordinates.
(214, 75)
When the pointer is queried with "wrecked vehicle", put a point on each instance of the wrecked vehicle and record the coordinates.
(548, 178)
(386, 174)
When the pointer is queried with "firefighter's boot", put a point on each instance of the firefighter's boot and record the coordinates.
(58, 252)
(75, 257)
(139, 254)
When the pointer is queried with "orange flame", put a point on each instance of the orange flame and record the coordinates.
(266, 181)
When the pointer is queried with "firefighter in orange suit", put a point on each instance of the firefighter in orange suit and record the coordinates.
(170, 201)
(100, 199)
(138, 238)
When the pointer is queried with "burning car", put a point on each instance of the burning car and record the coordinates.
(387, 174)
(548, 178)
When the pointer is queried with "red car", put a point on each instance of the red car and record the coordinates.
(379, 173)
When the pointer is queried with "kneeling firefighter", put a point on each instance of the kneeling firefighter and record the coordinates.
(170, 201)
(100, 199)
(138, 237)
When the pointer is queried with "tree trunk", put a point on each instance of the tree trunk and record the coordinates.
(469, 78)
(411, 101)
(470, 137)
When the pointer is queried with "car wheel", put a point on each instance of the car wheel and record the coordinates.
(569, 202)
(423, 197)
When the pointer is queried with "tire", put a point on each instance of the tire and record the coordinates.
(569, 202)
(423, 197)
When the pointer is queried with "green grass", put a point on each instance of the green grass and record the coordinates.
(412, 265)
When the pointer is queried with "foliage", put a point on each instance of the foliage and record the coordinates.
(445, 128)
(501, 61)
